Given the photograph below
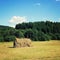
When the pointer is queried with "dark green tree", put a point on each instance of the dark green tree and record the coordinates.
(9, 38)
(19, 34)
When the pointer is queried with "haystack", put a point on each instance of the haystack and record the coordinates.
(23, 42)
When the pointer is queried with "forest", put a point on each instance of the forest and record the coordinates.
(36, 31)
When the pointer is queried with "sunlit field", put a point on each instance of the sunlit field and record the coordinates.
(47, 50)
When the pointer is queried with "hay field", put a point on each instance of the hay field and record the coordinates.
(48, 50)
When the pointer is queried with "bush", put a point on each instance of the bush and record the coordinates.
(53, 36)
(42, 36)
(19, 34)
(35, 35)
(47, 37)
(29, 34)
(57, 36)
(9, 38)
(1, 39)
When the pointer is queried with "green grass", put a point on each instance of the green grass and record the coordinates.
(48, 50)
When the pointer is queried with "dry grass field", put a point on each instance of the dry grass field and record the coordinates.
(48, 50)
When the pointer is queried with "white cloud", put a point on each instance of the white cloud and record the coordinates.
(57, 0)
(58, 20)
(12, 25)
(47, 19)
(17, 19)
(37, 4)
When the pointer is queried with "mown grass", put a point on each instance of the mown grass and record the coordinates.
(48, 50)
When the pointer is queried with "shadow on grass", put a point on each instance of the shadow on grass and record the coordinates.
(11, 47)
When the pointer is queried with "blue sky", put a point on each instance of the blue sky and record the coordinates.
(18, 11)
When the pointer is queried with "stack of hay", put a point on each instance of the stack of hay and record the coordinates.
(23, 42)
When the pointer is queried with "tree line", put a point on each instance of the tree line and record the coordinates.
(36, 31)
(40, 31)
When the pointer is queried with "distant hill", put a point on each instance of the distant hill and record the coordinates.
(4, 27)
(40, 30)
(36, 31)
(6, 33)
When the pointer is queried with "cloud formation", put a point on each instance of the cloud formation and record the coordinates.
(58, 20)
(57, 0)
(37, 4)
(17, 19)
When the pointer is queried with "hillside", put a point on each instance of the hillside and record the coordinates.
(40, 30)
(6, 33)
(36, 31)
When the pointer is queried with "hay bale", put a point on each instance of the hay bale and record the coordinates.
(23, 42)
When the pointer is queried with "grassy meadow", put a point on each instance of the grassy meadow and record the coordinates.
(47, 50)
